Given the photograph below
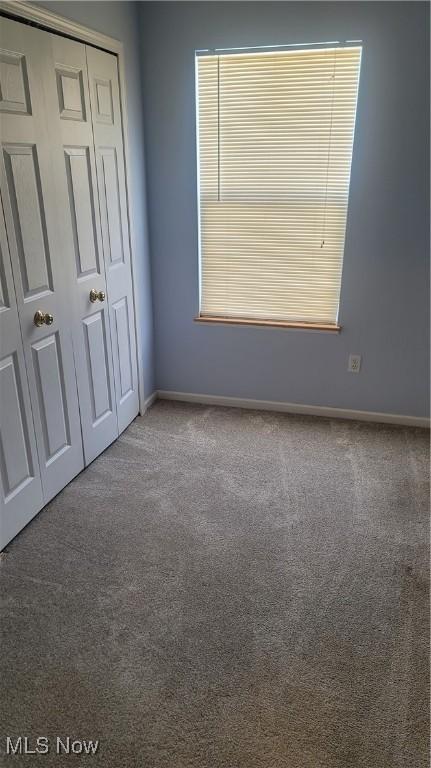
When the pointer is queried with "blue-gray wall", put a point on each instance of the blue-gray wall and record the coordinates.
(121, 20)
(385, 280)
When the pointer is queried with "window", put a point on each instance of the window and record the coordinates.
(275, 136)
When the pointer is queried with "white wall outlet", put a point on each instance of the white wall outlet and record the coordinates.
(354, 364)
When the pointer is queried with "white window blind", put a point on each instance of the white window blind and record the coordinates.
(275, 136)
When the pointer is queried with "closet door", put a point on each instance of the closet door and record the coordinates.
(35, 229)
(107, 128)
(20, 485)
(83, 247)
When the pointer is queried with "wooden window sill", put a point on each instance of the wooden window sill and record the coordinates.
(269, 323)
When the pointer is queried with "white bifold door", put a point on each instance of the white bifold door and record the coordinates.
(30, 191)
(68, 373)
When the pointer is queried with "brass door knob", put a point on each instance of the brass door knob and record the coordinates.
(43, 318)
(96, 295)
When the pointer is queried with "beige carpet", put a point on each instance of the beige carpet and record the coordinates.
(226, 589)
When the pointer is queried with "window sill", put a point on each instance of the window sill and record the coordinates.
(269, 323)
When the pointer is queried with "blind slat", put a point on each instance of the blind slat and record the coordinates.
(275, 136)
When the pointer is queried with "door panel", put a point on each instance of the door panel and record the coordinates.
(15, 94)
(106, 112)
(104, 109)
(110, 206)
(20, 484)
(51, 393)
(124, 351)
(97, 351)
(15, 458)
(23, 184)
(91, 323)
(80, 187)
(70, 89)
(34, 214)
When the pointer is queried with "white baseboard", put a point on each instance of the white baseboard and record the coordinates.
(311, 410)
(149, 401)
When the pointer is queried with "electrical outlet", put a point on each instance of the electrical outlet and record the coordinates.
(354, 364)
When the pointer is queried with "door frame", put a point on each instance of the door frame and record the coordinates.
(52, 22)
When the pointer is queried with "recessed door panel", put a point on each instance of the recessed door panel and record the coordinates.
(14, 90)
(111, 211)
(103, 101)
(22, 171)
(15, 457)
(70, 88)
(82, 211)
(122, 339)
(97, 353)
(51, 393)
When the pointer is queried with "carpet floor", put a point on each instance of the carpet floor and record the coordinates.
(226, 589)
